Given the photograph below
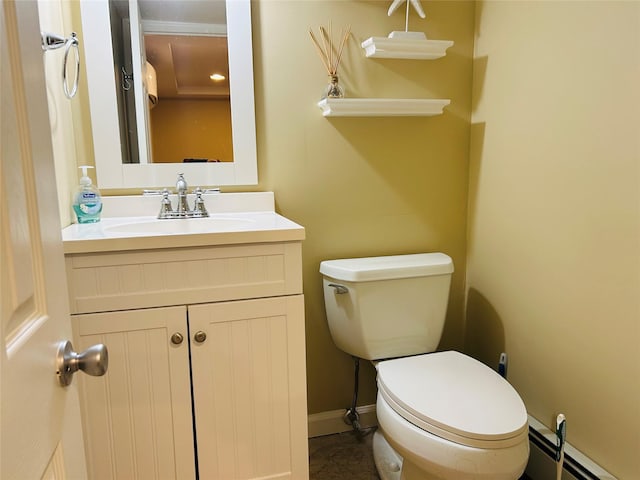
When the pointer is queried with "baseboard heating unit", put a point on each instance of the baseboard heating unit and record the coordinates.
(542, 464)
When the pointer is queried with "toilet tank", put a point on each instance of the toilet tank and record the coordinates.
(385, 307)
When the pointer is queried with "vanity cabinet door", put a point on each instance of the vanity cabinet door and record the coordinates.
(248, 366)
(137, 418)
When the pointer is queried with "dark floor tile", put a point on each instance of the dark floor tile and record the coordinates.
(342, 456)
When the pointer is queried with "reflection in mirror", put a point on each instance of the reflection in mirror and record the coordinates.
(186, 79)
(121, 49)
(183, 91)
(190, 111)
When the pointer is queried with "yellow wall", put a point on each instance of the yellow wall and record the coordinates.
(362, 186)
(554, 215)
(369, 186)
(551, 181)
(191, 128)
(57, 17)
(76, 123)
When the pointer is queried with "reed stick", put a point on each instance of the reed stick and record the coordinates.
(342, 44)
(330, 53)
(321, 52)
(326, 41)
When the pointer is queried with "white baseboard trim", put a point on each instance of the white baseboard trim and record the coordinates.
(328, 423)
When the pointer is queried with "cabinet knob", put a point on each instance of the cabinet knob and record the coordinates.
(177, 338)
(200, 336)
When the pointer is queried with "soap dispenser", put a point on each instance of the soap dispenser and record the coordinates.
(87, 202)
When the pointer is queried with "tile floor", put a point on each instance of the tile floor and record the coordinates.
(344, 457)
(341, 457)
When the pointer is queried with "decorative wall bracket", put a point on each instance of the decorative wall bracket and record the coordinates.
(382, 107)
(409, 45)
(406, 44)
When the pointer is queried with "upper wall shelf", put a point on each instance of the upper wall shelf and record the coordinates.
(407, 45)
(381, 107)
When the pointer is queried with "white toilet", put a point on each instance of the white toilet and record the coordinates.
(443, 415)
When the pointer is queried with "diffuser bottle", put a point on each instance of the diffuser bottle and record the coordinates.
(87, 202)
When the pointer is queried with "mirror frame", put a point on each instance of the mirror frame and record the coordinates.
(101, 79)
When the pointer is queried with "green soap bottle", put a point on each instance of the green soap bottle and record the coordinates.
(87, 201)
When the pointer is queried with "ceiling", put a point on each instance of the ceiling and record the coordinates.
(184, 63)
(190, 11)
(184, 60)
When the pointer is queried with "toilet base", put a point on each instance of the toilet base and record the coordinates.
(428, 457)
(388, 461)
(390, 465)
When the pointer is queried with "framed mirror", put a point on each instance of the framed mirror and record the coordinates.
(122, 135)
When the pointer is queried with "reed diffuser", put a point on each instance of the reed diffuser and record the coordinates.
(331, 53)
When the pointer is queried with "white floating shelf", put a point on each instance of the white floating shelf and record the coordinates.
(405, 46)
(381, 107)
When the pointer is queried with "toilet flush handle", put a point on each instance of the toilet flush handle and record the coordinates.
(340, 289)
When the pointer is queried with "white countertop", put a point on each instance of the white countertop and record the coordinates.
(144, 232)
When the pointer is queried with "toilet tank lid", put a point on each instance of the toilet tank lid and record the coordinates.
(388, 267)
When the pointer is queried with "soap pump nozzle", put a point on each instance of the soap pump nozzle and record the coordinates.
(85, 180)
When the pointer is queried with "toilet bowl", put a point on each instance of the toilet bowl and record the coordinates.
(450, 417)
(442, 415)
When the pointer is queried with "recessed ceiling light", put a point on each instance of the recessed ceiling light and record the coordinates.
(217, 77)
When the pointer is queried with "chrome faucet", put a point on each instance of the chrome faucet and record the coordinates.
(181, 189)
(182, 208)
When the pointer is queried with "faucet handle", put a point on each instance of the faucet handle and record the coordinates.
(199, 209)
(165, 205)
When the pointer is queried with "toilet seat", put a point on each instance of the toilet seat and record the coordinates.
(454, 397)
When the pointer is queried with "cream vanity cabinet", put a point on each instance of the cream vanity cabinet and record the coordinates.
(206, 371)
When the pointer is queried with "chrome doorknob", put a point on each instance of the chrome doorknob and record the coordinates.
(93, 361)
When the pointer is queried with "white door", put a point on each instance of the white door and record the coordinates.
(139, 63)
(37, 415)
